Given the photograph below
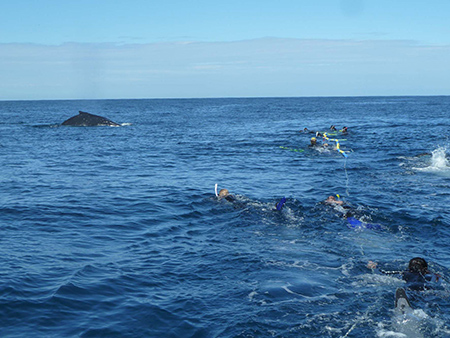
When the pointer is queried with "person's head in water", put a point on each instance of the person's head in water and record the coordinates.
(313, 141)
(418, 265)
(224, 193)
(332, 200)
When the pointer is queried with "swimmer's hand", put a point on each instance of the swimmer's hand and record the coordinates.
(372, 265)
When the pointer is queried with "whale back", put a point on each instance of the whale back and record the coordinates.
(84, 119)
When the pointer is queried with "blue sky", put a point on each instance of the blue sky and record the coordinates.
(144, 49)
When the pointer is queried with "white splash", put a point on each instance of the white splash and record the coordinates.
(438, 161)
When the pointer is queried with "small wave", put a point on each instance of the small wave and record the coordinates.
(54, 125)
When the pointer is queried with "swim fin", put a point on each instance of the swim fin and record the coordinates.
(402, 305)
(357, 224)
(280, 204)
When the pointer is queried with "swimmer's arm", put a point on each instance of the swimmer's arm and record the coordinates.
(433, 277)
(374, 267)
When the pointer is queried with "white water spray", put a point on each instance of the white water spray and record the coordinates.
(438, 159)
(438, 162)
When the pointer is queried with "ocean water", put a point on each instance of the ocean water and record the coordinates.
(116, 231)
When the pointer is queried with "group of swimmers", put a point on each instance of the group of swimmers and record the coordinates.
(313, 140)
(344, 130)
(417, 277)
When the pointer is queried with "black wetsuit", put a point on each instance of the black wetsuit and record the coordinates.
(415, 280)
(345, 209)
(230, 198)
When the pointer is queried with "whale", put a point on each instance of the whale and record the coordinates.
(84, 119)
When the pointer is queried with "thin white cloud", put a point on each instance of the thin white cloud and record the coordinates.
(260, 67)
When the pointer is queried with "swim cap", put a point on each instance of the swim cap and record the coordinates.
(313, 139)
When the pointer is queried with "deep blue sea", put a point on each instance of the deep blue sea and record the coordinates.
(117, 232)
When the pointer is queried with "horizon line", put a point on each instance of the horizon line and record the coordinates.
(227, 97)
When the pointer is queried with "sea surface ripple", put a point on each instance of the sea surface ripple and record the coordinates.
(116, 231)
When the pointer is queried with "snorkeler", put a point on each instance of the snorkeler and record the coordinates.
(324, 146)
(313, 142)
(354, 219)
(417, 277)
(339, 205)
(224, 193)
(306, 130)
(333, 201)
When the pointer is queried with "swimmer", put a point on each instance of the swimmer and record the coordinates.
(354, 218)
(324, 146)
(333, 127)
(331, 200)
(344, 130)
(306, 130)
(224, 193)
(340, 206)
(417, 277)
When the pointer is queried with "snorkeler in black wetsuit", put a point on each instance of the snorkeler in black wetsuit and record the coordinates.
(354, 219)
(340, 206)
(306, 130)
(417, 277)
(224, 193)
